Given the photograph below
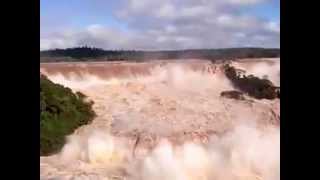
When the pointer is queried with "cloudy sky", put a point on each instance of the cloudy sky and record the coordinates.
(159, 24)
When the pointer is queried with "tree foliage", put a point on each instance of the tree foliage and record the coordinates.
(253, 86)
(61, 112)
(96, 54)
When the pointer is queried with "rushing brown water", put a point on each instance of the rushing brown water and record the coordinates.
(161, 120)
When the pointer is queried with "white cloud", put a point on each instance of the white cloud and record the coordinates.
(273, 26)
(174, 24)
(166, 11)
(245, 2)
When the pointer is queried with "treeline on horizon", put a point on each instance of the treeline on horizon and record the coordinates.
(97, 54)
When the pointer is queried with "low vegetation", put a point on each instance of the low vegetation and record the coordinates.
(251, 85)
(61, 112)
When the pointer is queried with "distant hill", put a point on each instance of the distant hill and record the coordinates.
(96, 54)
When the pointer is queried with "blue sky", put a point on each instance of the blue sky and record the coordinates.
(79, 13)
(266, 10)
(166, 24)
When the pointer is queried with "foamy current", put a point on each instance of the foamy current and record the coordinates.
(167, 121)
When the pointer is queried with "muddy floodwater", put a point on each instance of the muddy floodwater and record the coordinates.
(166, 120)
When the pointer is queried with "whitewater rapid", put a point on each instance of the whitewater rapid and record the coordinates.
(167, 122)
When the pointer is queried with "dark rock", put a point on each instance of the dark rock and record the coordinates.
(232, 95)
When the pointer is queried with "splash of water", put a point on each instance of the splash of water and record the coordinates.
(176, 104)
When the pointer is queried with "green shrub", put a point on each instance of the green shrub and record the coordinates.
(253, 86)
(61, 112)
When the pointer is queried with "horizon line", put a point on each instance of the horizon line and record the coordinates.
(275, 48)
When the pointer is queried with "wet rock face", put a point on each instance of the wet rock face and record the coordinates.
(233, 95)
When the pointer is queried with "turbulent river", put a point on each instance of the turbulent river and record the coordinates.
(164, 120)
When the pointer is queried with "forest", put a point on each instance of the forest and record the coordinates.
(96, 54)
